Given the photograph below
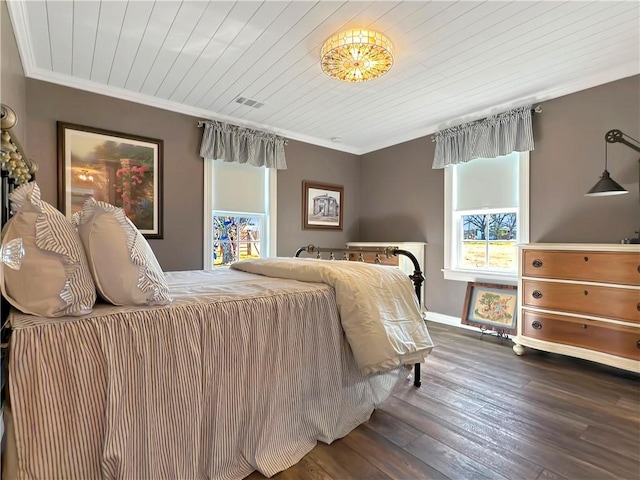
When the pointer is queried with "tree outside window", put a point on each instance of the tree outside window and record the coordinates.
(489, 241)
(235, 238)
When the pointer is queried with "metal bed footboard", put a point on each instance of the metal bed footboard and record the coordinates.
(416, 277)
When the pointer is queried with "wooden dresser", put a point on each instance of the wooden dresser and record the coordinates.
(418, 249)
(581, 300)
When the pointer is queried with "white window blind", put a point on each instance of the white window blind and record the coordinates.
(239, 212)
(238, 187)
(486, 216)
(487, 184)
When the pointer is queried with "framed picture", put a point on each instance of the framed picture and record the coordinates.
(322, 206)
(117, 168)
(490, 307)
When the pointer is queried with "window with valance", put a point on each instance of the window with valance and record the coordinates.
(486, 166)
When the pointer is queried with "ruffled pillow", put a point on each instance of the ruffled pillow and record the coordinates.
(54, 278)
(124, 268)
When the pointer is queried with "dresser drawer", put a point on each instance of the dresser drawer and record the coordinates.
(603, 337)
(605, 267)
(609, 302)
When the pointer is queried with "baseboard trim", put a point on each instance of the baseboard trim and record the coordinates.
(449, 320)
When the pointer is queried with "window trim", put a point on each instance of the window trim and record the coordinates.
(269, 215)
(450, 242)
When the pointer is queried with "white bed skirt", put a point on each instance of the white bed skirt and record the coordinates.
(9, 452)
(215, 388)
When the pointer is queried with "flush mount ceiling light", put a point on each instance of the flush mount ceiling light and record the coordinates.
(357, 55)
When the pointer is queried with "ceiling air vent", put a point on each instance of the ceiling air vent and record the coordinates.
(249, 102)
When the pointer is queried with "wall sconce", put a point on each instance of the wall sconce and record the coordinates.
(606, 185)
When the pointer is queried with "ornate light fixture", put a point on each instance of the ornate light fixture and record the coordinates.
(357, 55)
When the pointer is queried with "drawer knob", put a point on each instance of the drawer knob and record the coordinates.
(638, 307)
(537, 325)
(536, 294)
(584, 326)
(586, 292)
(537, 263)
(638, 344)
(586, 259)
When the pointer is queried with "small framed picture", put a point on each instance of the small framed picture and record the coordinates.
(322, 206)
(490, 307)
(117, 168)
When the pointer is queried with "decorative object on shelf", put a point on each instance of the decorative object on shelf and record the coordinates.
(322, 206)
(112, 167)
(357, 55)
(606, 185)
(491, 307)
(13, 161)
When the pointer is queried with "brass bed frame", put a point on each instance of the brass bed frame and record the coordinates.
(15, 168)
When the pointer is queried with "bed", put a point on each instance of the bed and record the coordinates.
(246, 369)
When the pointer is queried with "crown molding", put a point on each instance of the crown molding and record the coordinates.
(624, 71)
(122, 94)
(201, 113)
(18, 18)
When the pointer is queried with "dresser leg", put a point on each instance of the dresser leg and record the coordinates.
(519, 349)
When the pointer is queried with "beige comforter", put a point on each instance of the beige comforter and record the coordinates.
(378, 307)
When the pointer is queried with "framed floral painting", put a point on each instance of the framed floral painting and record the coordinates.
(490, 307)
(117, 168)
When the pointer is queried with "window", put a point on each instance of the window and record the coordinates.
(489, 241)
(236, 237)
(239, 213)
(486, 217)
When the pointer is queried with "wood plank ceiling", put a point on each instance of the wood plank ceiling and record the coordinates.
(454, 61)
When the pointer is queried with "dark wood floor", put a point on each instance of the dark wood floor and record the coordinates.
(483, 412)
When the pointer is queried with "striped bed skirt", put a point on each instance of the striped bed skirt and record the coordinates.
(226, 380)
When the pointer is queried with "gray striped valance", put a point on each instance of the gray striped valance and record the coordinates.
(492, 137)
(231, 143)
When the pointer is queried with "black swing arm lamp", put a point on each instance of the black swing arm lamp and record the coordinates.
(607, 185)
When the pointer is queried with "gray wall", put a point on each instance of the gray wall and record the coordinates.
(181, 248)
(402, 197)
(12, 81)
(402, 201)
(569, 159)
(321, 165)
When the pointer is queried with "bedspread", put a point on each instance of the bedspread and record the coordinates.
(377, 304)
(240, 372)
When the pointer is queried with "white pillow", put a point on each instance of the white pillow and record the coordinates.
(54, 278)
(122, 264)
